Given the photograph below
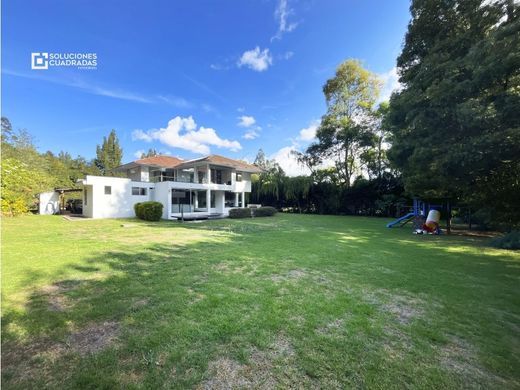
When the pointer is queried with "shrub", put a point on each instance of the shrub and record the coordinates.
(149, 211)
(510, 240)
(240, 213)
(137, 209)
(266, 211)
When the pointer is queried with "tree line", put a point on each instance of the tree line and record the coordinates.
(27, 172)
(451, 133)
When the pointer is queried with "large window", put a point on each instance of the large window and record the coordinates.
(229, 199)
(138, 191)
(108, 190)
(201, 196)
(216, 176)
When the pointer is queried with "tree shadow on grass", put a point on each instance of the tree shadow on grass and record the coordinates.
(40, 340)
(160, 312)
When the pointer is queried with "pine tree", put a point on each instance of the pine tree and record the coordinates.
(109, 154)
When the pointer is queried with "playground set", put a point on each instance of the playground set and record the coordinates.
(421, 211)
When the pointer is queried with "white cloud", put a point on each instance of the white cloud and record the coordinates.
(182, 133)
(246, 121)
(281, 14)
(309, 133)
(83, 85)
(288, 55)
(252, 133)
(140, 135)
(241, 109)
(139, 153)
(175, 101)
(390, 84)
(209, 108)
(288, 162)
(256, 59)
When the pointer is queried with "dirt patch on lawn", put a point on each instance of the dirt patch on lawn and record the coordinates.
(396, 342)
(94, 338)
(332, 327)
(292, 275)
(260, 372)
(234, 268)
(54, 294)
(403, 311)
(404, 308)
(460, 358)
(57, 303)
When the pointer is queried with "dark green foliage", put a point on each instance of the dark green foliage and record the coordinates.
(266, 211)
(137, 209)
(148, 211)
(26, 172)
(151, 153)
(109, 154)
(240, 213)
(455, 124)
(510, 240)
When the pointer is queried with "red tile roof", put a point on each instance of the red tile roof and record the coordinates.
(160, 161)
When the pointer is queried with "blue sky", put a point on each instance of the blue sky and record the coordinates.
(189, 77)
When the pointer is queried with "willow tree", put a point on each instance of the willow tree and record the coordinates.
(344, 134)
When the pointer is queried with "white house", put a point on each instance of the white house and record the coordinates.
(202, 187)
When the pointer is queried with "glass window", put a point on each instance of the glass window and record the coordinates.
(201, 196)
(108, 190)
(138, 191)
(239, 176)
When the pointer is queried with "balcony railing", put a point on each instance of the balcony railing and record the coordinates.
(157, 179)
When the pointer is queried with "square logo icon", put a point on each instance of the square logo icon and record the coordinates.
(39, 60)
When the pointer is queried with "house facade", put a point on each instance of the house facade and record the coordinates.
(207, 186)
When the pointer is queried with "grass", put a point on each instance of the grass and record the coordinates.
(290, 301)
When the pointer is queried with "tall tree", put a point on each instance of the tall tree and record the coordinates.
(455, 124)
(344, 134)
(109, 154)
(376, 158)
(151, 153)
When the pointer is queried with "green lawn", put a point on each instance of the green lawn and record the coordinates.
(290, 301)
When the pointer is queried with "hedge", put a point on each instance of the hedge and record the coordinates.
(240, 213)
(149, 211)
(266, 211)
(509, 241)
(248, 213)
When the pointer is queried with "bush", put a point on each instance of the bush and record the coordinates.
(266, 211)
(240, 213)
(509, 241)
(149, 211)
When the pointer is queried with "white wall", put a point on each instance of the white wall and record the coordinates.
(162, 194)
(245, 184)
(120, 202)
(88, 210)
(49, 203)
(219, 201)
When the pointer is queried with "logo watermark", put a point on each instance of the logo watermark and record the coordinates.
(44, 60)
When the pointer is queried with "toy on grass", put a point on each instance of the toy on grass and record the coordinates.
(431, 225)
